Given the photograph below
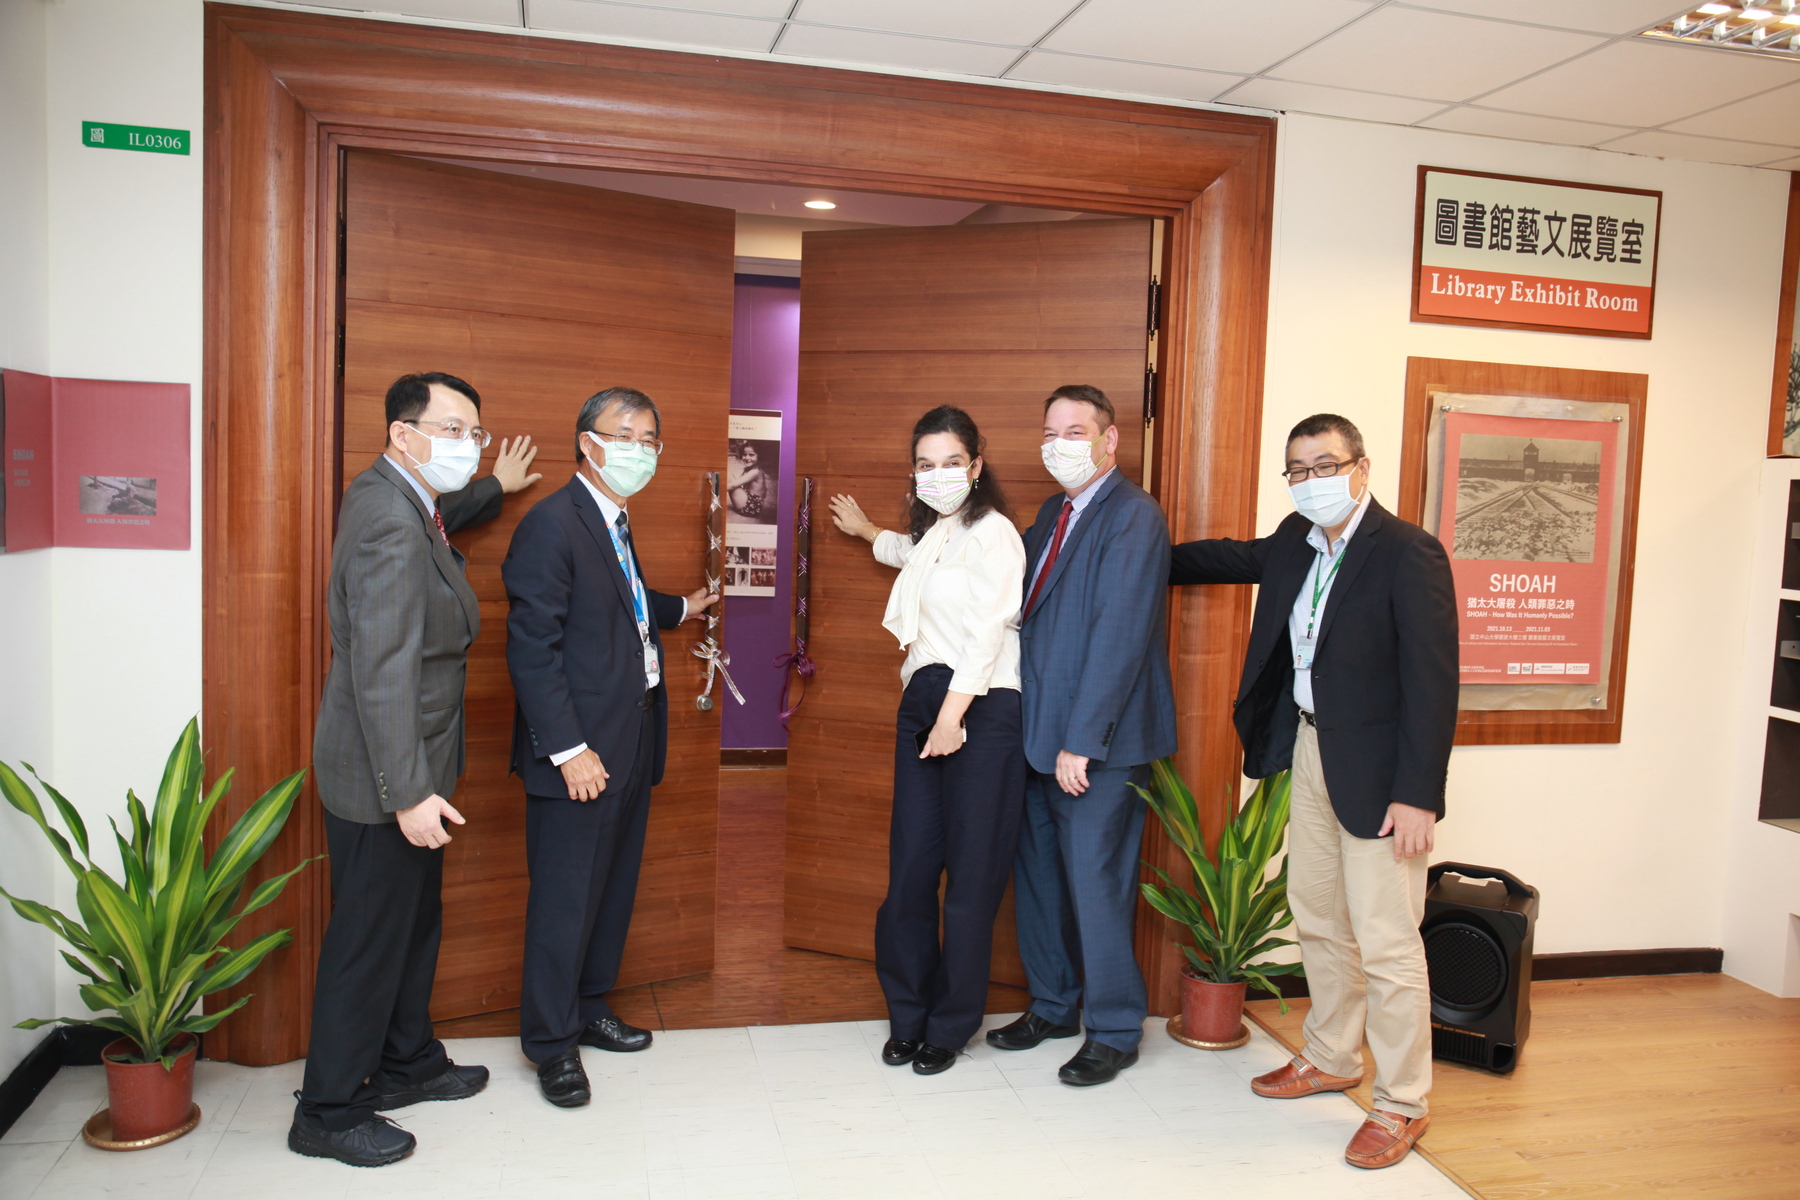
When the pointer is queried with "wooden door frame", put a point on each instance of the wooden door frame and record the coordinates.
(286, 91)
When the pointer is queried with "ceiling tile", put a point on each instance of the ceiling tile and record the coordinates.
(1643, 82)
(735, 8)
(1223, 35)
(484, 12)
(1111, 75)
(1330, 102)
(1595, 16)
(1786, 164)
(1523, 126)
(1696, 149)
(1431, 55)
(1770, 117)
(895, 50)
(1015, 22)
(652, 24)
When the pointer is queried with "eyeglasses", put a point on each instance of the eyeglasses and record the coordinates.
(1324, 470)
(457, 432)
(652, 445)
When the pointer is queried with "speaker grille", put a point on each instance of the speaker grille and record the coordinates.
(1467, 966)
(1457, 1045)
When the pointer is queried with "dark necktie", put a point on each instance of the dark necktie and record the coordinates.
(1056, 541)
(624, 529)
(439, 518)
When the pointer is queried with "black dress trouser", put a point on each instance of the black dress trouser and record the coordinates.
(956, 818)
(584, 859)
(372, 995)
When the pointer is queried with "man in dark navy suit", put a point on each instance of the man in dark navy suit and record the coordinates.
(1350, 678)
(1098, 708)
(589, 734)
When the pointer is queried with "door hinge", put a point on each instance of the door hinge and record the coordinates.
(1149, 394)
(1153, 319)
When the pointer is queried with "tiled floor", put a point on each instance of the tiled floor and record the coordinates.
(797, 1111)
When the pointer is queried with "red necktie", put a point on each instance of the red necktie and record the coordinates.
(1056, 541)
(439, 518)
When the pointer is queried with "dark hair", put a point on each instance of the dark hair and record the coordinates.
(1089, 395)
(1320, 424)
(628, 400)
(985, 495)
(410, 395)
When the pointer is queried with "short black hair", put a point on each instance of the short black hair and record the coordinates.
(1320, 424)
(1089, 395)
(625, 399)
(410, 395)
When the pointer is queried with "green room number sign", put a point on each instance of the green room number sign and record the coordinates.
(104, 135)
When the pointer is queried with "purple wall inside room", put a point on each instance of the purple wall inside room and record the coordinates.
(765, 374)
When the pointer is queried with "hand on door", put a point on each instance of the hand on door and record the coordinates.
(698, 601)
(511, 465)
(848, 516)
(585, 776)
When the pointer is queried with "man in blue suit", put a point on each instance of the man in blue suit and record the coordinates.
(1098, 708)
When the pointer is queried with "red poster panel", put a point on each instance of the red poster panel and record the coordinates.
(97, 463)
(1527, 519)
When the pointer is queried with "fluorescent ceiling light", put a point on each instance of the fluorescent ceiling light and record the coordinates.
(1713, 10)
(1755, 29)
(820, 204)
(1756, 14)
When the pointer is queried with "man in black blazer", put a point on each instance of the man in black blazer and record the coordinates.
(589, 733)
(1350, 679)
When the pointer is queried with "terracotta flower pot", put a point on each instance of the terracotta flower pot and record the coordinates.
(1211, 1012)
(143, 1099)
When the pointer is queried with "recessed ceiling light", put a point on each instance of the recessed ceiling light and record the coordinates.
(820, 204)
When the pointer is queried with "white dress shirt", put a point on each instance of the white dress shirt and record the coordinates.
(611, 512)
(429, 499)
(1303, 622)
(1081, 502)
(956, 601)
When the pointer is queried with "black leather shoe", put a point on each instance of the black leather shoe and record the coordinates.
(898, 1052)
(610, 1033)
(1027, 1032)
(456, 1083)
(933, 1060)
(563, 1080)
(1095, 1063)
(375, 1143)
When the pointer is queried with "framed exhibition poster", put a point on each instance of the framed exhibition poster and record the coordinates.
(752, 497)
(1528, 475)
(1784, 398)
(1519, 253)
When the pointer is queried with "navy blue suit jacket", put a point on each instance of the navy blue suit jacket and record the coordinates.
(1094, 653)
(572, 644)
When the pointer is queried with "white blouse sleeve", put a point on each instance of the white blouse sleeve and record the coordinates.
(892, 548)
(994, 557)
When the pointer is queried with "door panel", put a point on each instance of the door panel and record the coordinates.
(893, 322)
(540, 294)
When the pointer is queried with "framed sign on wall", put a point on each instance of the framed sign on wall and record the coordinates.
(1529, 477)
(1519, 253)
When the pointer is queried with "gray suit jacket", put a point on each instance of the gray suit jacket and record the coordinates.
(390, 729)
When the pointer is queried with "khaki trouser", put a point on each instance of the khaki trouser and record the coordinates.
(1357, 913)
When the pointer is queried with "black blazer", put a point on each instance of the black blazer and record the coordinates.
(572, 644)
(1384, 672)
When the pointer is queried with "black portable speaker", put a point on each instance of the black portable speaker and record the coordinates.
(1478, 928)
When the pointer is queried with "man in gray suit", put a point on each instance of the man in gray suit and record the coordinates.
(1097, 707)
(387, 753)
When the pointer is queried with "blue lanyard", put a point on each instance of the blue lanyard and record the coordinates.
(639, 609)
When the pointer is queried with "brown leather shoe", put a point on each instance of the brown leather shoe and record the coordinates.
(1384, 1139)
(1299, 1078)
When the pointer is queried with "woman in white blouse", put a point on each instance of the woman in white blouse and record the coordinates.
(959, 760)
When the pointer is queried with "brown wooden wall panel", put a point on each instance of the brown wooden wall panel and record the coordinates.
(893, 322)
(288, 92)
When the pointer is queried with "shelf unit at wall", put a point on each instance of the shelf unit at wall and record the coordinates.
(1780, 803)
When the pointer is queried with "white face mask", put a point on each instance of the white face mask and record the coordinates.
(1324, 502)
(628, 468)
(452, 465)
(945, 488)
(1070, 463)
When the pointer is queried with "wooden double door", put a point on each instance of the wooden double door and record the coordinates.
(541, 293)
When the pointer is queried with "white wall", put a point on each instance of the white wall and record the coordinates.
(1627, 842)
(26, 958)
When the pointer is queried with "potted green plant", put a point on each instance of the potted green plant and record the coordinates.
(150, 946)
(1234, 908)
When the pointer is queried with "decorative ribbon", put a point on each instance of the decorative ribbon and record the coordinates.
(797, 662)
(707, 649)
